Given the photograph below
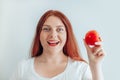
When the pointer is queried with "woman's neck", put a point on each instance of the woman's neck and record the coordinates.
(52, 57)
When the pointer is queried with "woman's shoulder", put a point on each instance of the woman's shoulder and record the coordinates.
(78, 63)
(25, 63)
(80, 67)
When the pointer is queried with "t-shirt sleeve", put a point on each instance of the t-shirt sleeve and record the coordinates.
(18, 73)
(87, 74)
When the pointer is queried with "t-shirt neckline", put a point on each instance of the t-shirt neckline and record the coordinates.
(45, 78)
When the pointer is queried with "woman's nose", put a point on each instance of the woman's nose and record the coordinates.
(53, 34)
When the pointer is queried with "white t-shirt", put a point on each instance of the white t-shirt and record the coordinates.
(75, 70)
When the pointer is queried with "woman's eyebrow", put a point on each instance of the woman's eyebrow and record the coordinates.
(60, 26)
(50, 25)
(46, 25)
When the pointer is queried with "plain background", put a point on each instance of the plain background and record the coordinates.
(18, 20)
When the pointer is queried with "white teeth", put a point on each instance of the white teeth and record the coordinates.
(53, 42)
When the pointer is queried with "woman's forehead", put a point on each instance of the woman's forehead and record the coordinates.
(53, 20)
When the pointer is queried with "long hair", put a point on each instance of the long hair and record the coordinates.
(70, 48)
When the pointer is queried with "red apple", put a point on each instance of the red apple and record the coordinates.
(92, 37)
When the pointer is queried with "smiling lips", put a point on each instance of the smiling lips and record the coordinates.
(53, 42)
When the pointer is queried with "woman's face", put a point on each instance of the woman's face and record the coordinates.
(53, 35)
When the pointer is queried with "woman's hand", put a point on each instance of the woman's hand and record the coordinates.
(95, 53)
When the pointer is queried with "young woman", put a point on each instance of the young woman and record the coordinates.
(55, 53)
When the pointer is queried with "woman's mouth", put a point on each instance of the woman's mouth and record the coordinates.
(53, 43)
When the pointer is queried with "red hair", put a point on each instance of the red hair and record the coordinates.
(70, 49)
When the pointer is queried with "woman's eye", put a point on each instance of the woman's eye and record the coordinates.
(60, 29)
(46, 29)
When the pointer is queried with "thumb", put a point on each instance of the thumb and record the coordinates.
(88, 48)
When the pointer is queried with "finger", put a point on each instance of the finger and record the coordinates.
(97, 44)
(87, 46)
(96, 49)
(99, 53)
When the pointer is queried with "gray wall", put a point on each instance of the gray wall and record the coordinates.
(18, 20)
